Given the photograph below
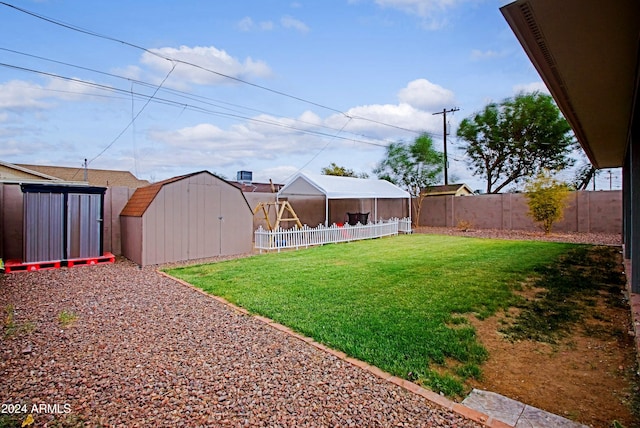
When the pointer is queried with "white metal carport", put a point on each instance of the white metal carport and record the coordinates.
(335, 187)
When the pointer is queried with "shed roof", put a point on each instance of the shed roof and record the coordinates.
(334, 187)
(144, 196)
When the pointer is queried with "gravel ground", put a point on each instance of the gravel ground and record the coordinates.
(147, 351)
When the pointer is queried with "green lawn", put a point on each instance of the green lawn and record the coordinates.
(395, 303)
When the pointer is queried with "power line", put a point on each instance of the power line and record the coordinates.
(135, 117)
(192, 107)
(176, 60)
(113, 39)
(319, 151)
(183, 94)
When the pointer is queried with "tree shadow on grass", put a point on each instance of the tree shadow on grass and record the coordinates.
(569, 290)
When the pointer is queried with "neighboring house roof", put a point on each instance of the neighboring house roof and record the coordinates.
(449, 189)
(335, 187)
(17, 173)
(257, 187)
(96, 177)
(144, 196)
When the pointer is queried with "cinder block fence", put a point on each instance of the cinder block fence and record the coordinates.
(586, 212)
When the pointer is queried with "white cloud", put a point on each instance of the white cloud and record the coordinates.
(11, 148)
(288, 22)
(73, 90)
(430, 11)
(417, 103)
(421, 8)
(292, 23)
(22, 95)
(423, 94)
(278, 174)
(265, 137)
(17, 94)
(267, 25)
(385, 122)
(531, 87)
(14, 147)
(207, 58)
(478, 55)
(269, 137)
(247, 24)
(131, 71)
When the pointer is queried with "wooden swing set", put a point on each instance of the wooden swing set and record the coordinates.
(280, 208)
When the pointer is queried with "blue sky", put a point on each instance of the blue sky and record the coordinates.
(268, 86)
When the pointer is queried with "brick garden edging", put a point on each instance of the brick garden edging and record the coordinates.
(460, 409)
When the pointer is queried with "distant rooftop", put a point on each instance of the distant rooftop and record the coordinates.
(449, 189)
(96, 177)
(257, 187)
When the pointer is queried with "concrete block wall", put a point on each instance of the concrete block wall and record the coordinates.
(586, 212)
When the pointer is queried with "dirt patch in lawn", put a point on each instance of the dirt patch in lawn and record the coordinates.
(578, 362)
(588, 371)
(585, 379)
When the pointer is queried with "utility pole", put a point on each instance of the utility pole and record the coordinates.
(444, 131)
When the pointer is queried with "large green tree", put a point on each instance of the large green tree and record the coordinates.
(413, 166)
(508, 142)
(585, 174)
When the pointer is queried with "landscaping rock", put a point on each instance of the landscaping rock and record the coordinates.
(147, 351)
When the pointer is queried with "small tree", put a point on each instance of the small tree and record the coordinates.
(547, 199)
(413, 166)
(341, 171)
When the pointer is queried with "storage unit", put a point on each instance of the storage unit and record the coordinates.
(188, 217)
(62, 222)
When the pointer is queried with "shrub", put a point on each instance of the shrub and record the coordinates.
(547, 199)
(464, 225)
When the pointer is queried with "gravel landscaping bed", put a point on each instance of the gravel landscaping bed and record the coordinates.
(147, 351)
(576, 238)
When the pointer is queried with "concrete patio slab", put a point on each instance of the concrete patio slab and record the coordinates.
(515, 413)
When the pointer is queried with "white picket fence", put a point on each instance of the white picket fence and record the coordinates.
(404, 225)
(307, 236)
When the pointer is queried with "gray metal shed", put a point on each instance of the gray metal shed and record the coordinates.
(188, 217)
(62, 222)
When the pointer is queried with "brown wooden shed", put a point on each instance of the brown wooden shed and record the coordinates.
(187, 217)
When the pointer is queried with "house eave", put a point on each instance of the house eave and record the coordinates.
(589, 70)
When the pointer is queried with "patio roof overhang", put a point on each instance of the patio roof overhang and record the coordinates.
(586, 52)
